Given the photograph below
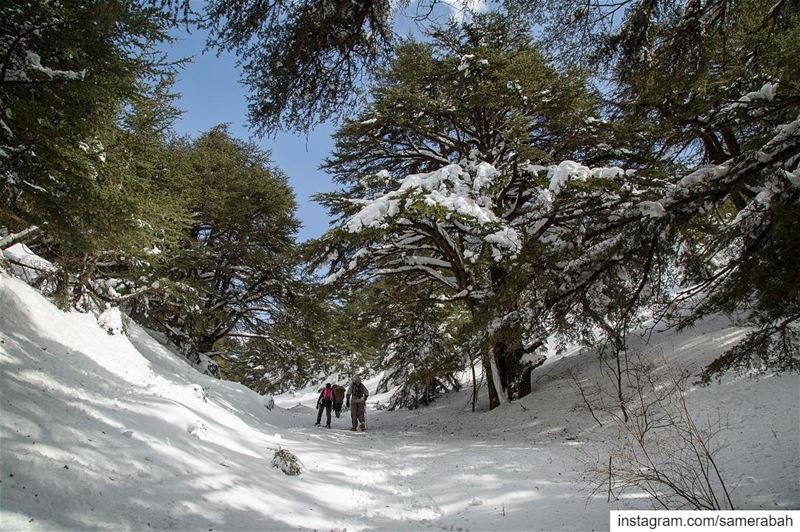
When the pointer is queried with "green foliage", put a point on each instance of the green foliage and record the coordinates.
(194, 237)
(306, 344)
(481, 89)
(473, 112)
(478, 247)
(304, 61)
(737, 88)
(233, 267)
(707, 83)
(423, 357)
(71, 74)
(67, 68)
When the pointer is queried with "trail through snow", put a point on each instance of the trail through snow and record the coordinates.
(112, 431)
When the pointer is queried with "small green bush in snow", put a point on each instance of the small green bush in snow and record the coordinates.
(286, 462)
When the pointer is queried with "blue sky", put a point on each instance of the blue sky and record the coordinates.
(211, 94)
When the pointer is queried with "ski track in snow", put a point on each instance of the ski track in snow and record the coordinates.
(102, 431)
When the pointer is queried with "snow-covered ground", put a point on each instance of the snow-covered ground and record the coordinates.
(114, 431)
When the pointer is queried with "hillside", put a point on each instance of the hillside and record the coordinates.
(114, 431)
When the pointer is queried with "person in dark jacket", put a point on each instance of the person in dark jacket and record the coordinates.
(357, 397)
(338, 399)
(324, 402)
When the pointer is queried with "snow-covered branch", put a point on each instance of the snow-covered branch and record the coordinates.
(14, 238)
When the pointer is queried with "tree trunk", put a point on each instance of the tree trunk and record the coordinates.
(494, 399)
(508, 352)
(500, 390)
(503, 366)
(205, 344)
(474, 384)
(506, 347)
(525, 377)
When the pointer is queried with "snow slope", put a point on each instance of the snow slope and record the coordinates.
(114, 431)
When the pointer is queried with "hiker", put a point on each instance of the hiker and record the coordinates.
(357, 397)
(338, 399)
(324, 402)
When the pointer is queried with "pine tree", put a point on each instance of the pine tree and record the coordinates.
(735, 114)
(68, 70)
(309, 340)
(420, 343)
(444, 180)
(234, 270)
(305, 61)
(707, 93)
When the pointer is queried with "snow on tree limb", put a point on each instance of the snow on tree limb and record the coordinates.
(10, 240)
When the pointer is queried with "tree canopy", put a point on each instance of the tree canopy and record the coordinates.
(457, 176)
(545, 170)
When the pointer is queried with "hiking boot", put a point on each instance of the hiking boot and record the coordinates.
(363, 427)
(353, 429)
(327, 426)
(316, 424)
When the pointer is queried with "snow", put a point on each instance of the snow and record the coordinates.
(450, 187)
(766, 92)
(111, 320)
(506, 238)
(34, 62)
(464, 62)
(25, 263)
(484, 175)
(793, 177)
(115, 431)
(373, 214)
(467, 61)
(703, 174)
(565, 171)
(652, 209)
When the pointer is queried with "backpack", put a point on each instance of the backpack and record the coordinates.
(359, 393)
(327, 394)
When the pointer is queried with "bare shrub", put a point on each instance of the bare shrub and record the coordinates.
(660, 449)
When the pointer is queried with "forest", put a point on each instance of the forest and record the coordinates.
(499, 185)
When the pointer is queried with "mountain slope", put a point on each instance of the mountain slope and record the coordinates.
(115, 431)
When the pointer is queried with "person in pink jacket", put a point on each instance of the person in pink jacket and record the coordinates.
(325, 402)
